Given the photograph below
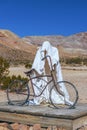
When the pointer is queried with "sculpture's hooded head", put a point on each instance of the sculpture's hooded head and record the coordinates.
(46, 46)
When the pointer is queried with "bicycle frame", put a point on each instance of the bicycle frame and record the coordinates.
(51, 75)
(40, 77)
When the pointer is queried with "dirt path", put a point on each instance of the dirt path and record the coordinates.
(79, 79)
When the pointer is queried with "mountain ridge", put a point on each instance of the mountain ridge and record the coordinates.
(14, 48)
(76, 40)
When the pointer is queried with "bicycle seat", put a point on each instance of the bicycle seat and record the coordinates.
(29, 72)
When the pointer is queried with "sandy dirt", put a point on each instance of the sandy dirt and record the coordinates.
(79, 79)
(77, 76)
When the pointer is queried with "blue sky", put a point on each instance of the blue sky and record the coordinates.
(43, 17)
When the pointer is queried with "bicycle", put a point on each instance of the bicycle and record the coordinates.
(19, 92)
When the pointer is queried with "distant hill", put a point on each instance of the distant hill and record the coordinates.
(13, 48)
(70, 46)
(77, 41)
(16, 49)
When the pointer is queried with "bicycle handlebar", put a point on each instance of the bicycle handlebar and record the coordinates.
(50, 60)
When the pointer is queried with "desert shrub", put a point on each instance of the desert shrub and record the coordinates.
(85, 61)
(4, 65)
(7, 80)
(76, 60)
(28, 65)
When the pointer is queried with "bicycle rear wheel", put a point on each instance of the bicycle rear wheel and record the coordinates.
(72, 92)
(17, 93)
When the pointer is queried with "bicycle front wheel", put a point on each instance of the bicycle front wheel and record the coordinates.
(17, 93)
(58, 98)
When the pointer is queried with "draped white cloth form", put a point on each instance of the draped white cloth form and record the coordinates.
(39, 64)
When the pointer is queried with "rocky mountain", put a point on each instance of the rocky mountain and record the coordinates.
(14, 48)
(70, 46)
(38, 40)
(74, 41)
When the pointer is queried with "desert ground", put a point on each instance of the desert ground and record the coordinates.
(76, 75)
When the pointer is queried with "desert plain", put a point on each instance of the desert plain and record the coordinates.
(75, 75)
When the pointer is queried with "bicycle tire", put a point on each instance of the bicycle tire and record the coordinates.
(73, 95)
(17, 93)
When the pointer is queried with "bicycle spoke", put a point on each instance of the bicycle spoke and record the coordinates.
(66, 95)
